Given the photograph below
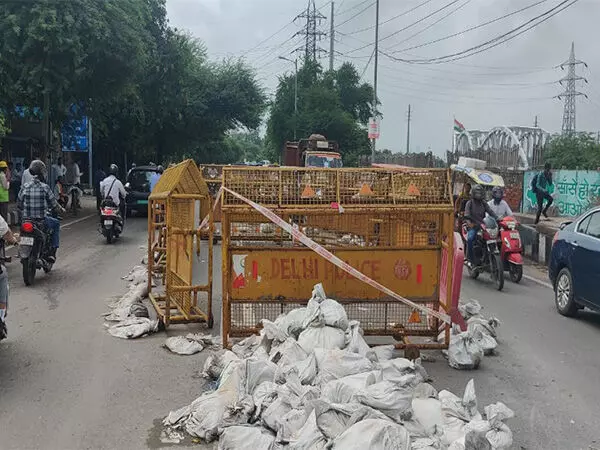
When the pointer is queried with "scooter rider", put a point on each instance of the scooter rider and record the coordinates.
(475, 211)
(36, 198)
(9, 238)
(111, 187)
(498, 204)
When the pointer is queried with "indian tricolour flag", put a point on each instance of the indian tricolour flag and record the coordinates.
(458, 127)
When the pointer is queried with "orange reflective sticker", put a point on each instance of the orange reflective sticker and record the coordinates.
(365, 189)
(412, 190)
(308, 192)
(415, 317)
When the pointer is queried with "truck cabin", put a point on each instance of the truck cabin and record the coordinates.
(328, 160)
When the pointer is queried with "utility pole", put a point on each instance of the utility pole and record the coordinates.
(295, 61)
(535, 123)
(310, 31)
(331, 37)
(408, 132)
(376, 61)
(570, 94)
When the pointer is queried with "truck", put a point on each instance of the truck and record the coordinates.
(316, 151)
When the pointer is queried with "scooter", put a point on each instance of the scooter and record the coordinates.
(485, 252)
(34, 249)
(511, 248)
(111, 222)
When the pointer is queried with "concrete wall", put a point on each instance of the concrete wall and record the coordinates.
(537, 245)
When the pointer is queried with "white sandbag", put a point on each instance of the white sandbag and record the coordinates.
(428, 413)
(248, 346)
(291, 323)
(491, 324)
(498, 411)
(290, 424)
(483, 337)
(335, 418)
(321, 337)
(334, 314)
(237, 437)
(288, 352)
(318, 293)
(373, 434)
(389, 398)
(272, 417)
(425, 390)
(258, 372)
(384, 352)
(309, 437)
(305, 370)
(335, 364)
(273, 332)
(500, 436)
(403, 372)
(183, 346)
(425, 444)
(216, 362)
(469, 309)
(475, 435)
(356, 342)
(133, 327)
(469, 401)
(453, 430)
(464, 352)
(264, 394)
(452, 406)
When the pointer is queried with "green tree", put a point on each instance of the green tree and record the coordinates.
(335, 104)
(579, 151)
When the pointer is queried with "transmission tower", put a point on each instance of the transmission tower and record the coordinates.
(571, 93)
(311, 32)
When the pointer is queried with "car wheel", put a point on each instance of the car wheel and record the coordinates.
(563, 294)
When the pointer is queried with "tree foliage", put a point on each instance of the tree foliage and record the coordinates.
(580, 151)
(335, 104)
(150, 89)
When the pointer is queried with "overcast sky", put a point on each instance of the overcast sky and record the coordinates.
(507, 85)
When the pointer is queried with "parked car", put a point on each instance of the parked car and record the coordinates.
(574, 267)
(138, 188)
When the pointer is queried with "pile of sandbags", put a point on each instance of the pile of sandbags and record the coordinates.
(467, 348)
(128, 317)
(310, 381)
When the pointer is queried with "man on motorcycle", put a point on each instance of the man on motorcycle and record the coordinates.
(475, 211)
(9, 238)
(498, 204)
(36, 198)
(111, 187)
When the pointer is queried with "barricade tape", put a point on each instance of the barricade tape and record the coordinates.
(321, 251)
(204, 222)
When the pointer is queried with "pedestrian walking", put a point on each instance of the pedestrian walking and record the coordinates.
(541, 184)
(4, 190)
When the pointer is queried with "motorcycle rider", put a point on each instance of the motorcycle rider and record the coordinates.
(35, 199)
(475, 211)
(498, 204)
(111, 187)
(9, 238)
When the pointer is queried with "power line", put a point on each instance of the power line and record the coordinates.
(450, 36)
(341, 13)
(362, 11)
(367, 65)
(494, 42)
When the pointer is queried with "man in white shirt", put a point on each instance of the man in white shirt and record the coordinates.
(498, 204)
(10, 239)
(111, 187)
(58, 170)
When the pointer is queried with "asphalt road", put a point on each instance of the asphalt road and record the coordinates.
(66, 384)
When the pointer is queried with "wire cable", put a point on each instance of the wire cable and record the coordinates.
(362, 11)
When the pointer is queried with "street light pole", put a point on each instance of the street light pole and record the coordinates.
(295, 92)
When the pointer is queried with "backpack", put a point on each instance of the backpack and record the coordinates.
(533, 183)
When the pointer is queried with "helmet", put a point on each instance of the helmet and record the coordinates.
(160, 169)
(477, 192)
(37, 167)
(3, 165)
(497, 193)
(113, 169)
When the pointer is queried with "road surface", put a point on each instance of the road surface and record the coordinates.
(67, 384)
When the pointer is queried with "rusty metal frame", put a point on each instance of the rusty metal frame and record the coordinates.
(171, 245)
(389, 200)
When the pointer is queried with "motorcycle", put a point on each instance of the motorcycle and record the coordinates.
(511, 248)
(486, 253)
(111, 222)
(35, 248)
(3, 260)
(75, 193)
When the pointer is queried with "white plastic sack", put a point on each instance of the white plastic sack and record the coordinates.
(335, 418)
(264, 394)
(425, 390)
(373, 434)
(291, 323)
(384, 352)
(237, 437)
(258, 372)
(288, 352)
(500, 437)
(356, 341)
(133, 327)
(389, 398)
(334, 364)
(464, 352)
(425, 444)
(321, 337)
(475, 435)
(490, 324)
(498, 412)
(183, 346)
(273, 332)
(344, 389)
(305, 370)
(216, 363)
(248, 346)
(483, 337)
(273, 415)
(428, 413)
(469, 401)
(469, 309)
(403, 372)
(325, 312)
(309, 437)
(290, 424)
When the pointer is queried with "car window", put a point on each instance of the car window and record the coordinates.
(593, 228)
(140, 179)
(583, 225)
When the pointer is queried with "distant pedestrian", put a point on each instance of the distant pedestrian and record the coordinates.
(15, 182)
(542, 184)
(155, 177)
(4, 190)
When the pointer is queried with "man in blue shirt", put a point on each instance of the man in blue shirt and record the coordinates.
(155, 177)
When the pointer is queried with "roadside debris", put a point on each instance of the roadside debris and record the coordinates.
(290, 387)
(467, 348)
(191, 343)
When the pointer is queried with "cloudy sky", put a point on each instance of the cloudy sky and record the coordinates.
(507, 85)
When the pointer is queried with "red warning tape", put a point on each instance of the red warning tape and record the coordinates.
(298, 235)
(204, 222)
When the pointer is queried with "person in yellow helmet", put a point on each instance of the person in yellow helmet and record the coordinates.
(4, 190)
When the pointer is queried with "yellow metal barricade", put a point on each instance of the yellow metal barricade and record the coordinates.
(176, 206)
(396, 227)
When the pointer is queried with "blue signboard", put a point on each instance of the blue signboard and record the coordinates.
(74, 132)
